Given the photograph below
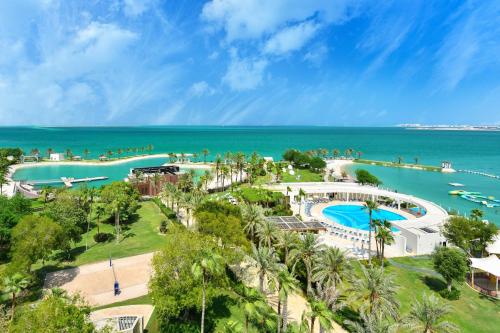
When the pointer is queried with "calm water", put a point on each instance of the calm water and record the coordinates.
(466, 150)
(354, 216)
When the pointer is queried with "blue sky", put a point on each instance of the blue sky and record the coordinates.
(249, 62)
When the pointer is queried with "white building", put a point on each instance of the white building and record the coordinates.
(57, 157)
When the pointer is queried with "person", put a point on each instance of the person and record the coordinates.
(117, 288)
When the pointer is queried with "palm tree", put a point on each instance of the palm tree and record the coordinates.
(319, 310)
(427, 316)
(301, 195)
(370, 206)
(86, 153)
(372, 323)
(208, 177)
(208, 266)
(99, 212)
(252, 302)
(224, 170)
(306, 252)
(69, 153)
(49, 151)
(360, 153)
(383, 237)
(331, 267)
(252, 216)
(218, 164)
(476, 214)
(240, 164)
(13, 285)
(416, 158)
(205, 153)
(375, 292)
(286, 241)
(286, 284)
(335, 153)
(265, 261)
(400, 159)
(267, 232)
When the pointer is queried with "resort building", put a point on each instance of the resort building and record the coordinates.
(149, 181)
(56, 157)
(485, 274)
(339, 206)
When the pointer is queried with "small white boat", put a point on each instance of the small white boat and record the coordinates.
(456, 184)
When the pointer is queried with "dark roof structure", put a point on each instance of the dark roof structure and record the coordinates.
(293, 223)
(164, 169)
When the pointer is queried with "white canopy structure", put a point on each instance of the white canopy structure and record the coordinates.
(494, 246)
(490, 265)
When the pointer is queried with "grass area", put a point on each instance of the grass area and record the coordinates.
(301, 175)
(399, 165)
(138, 236)
(473, 312)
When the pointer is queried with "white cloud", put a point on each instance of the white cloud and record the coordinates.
(249, 19)
(201, 88)
(136, 7)
(316, 55)
(291, 38)
(244, 74)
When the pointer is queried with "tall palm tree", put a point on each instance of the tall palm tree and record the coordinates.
(370, 206)
(375, 292)
(99, 212)
(209, 265)
(427, 316)
(240, 164)
(320, 311)
(13, 285)
(301, 195)
(252, 302)
(252, 216)
(335, 153)
(476, 214)
(205, 153)
(383, 237)
(400, 159)
(416, 158)
(49, 151)
(286, 241)
(86, 153)
(286, 284)
(188, 204)
(267, 233)
(218, 164)
(224, 171)
(306, 252)
(69, 153)
(208, 177)
(331, 267)
(372, 323)
(265, 261)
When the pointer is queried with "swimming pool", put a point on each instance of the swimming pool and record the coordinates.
(355, 216)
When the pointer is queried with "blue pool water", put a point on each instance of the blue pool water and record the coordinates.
(355, 216)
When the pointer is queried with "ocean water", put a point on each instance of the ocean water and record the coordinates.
(465, 149)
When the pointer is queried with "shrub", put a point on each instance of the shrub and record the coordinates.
(102, 237)
(164, 227)
(364, 177)
(452, 294)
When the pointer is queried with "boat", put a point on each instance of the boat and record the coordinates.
(456, 184)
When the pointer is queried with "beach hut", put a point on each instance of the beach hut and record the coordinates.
(494, 246)
(56, 157)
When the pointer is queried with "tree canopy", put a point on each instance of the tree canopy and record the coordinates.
(365, 177)
(451, 263)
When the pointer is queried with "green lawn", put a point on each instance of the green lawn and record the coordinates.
(473, 312)
(305, 176)
(139, 236)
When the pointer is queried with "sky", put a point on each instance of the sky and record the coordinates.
(249, 62)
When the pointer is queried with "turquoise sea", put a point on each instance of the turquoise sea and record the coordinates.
(465, 149)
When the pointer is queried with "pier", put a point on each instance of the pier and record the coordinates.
(67, 181)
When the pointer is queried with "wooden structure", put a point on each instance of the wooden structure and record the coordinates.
(150, 180)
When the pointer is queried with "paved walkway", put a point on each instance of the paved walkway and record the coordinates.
(95, 281)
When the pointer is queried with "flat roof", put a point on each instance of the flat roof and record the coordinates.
(157, 169)
(293, 223)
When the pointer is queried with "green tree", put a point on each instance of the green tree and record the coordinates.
(121, 200)
(252, 216)
(286, 242)
(451, 263)
(34, 238)
(264, 259)
(205, 153)
(267, 232)
(13, 285)
(331, 267)
(428, 315)
(306, 253)
(285, 283)
(366, 178)
(383, 237)
(320, 311)
(207, 266)
(373, 323)
(55, 314)
(370, 206)
(375, 292)
(252, 302)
